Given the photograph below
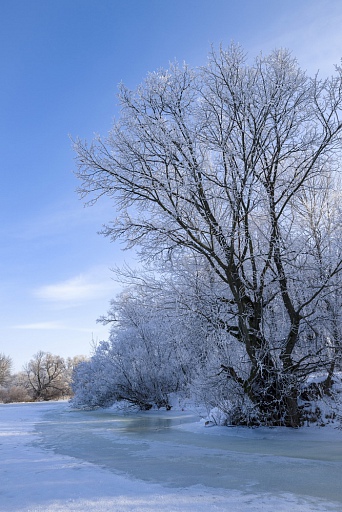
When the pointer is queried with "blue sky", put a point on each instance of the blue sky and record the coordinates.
(61, 61)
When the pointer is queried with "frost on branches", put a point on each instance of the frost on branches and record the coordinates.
(228, 179)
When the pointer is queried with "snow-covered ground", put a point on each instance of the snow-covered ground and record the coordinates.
(53, 458)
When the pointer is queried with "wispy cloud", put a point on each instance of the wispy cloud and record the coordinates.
(92, 285)
(50, 326)
(40, 326)
(75, 289)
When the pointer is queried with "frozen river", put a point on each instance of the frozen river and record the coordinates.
(153, 447)
(297, 470)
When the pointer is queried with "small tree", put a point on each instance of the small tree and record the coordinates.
(16, 389)
(137, 365)
(5, 368)
(71, 364)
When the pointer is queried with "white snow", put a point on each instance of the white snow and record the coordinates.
(53, 459)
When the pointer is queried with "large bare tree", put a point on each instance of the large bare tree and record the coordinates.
(45, 376)
(237, 162)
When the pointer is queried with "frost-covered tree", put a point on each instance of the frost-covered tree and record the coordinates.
(15, 389)
(93, 381)
(235, 162)
(138, 364)
(5, 368)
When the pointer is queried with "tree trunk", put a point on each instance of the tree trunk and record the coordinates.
(292, 413)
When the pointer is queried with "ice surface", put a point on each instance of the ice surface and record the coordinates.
(57, 459)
